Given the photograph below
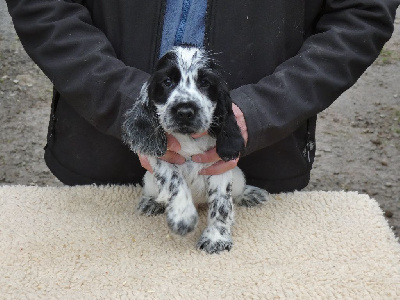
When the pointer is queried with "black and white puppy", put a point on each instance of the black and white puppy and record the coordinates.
(187, 95)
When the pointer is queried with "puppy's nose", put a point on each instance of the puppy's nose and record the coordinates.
(185, 113)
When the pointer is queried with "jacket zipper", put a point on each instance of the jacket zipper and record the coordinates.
(53, 119)
(310, 146)
(208, 21)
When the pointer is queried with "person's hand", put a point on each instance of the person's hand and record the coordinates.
(211, 155)
(170, 156)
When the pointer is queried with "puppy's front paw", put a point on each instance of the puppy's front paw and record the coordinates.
(215, 240)
(150, 207)
(182, 222)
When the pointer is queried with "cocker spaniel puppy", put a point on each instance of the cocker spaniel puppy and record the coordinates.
(187, 95)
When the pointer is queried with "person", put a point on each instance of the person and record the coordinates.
(285, 62)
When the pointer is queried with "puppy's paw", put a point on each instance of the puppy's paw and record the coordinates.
(252, 196)
(182, 222)
(150, 207)
(215, 240)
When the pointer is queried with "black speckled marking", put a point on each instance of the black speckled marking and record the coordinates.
(212, 192)
(160, 179)
(252, 196)
(150, 207)
(229, 188)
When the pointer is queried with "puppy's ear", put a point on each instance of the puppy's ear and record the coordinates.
(230, 141)
(141, 129)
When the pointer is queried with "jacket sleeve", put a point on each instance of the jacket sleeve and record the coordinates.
(78, 59)
(347, 38)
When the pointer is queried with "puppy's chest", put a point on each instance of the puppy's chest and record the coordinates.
(191, 146)
(197, 183)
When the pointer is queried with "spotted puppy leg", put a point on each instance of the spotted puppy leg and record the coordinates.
(173, 190)
(151, 204)
(217, 236)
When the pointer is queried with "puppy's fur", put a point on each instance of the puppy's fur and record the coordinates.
(187, 95)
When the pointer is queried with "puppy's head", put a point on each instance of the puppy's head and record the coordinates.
(185, 95)
(185, 89)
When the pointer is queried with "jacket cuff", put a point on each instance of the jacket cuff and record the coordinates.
(251, 118)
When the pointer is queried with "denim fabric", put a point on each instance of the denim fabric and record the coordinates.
(184, 23)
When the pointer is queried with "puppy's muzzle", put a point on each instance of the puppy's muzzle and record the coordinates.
(185, 116)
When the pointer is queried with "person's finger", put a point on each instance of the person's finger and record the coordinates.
(199, 135)
(173, 158)
(145, 163)
(207, 157)
(173, 143)
(219, 167)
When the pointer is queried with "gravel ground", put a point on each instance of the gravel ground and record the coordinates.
(358, 144)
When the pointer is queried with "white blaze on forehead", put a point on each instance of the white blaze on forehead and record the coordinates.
(190, 59)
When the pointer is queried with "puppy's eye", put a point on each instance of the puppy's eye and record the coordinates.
(168, 82)
(204, 83)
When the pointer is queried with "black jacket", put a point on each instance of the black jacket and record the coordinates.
(286, 61)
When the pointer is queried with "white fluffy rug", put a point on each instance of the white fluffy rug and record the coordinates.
(89, 243)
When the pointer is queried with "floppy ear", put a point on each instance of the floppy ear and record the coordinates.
(230, 141)
(141, 129)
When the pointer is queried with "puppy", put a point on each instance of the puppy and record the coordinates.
(187, 95)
